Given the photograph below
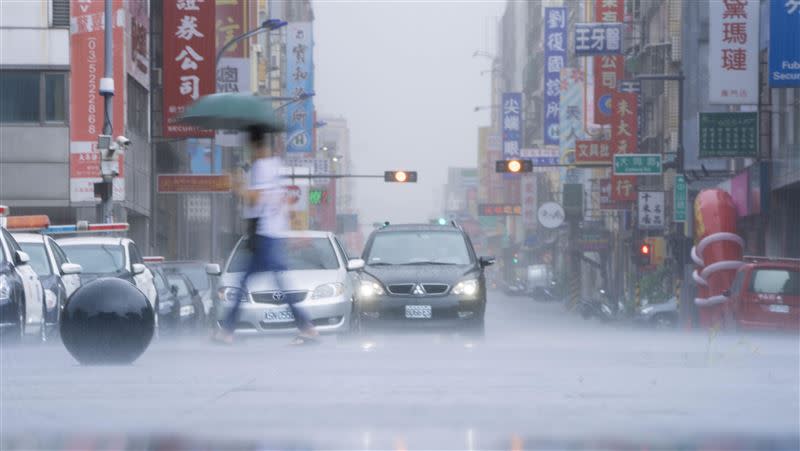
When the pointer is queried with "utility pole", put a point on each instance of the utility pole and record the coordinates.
(105, 145)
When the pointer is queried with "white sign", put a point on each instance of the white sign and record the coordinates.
(233, 75)
(733, 52)
(551, 215)
(651, 210)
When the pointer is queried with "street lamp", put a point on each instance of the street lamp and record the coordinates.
(267, 25)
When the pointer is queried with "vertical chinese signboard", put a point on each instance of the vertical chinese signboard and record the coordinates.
(233, 69)
(555, 56)
(609, 70)
(138, 44)
(189, 60)
(86, 105)
(784, 51)
(733, 51)
(624, 126)
(570, 112)
(651, 210)
(299, 81)
(512, 124)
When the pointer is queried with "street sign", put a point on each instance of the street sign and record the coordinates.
(651, 210)
(679, 201)
(728, 135)
(550, 215)
(193, 183)
(637, 164)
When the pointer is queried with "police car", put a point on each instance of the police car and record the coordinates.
(58, 276)
(21, 295)
(107, 256)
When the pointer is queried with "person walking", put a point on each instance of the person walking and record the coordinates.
(265, 210)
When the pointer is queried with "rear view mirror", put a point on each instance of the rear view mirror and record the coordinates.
(486, 261)
(354, 264)
(21, 258)
(71, 268)
(213, 269)
(138, 268)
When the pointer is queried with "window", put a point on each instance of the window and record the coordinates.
(138, 109)
(412, 248)
(40, 262)
(33, 96)
(136, 257)
(300, 254)
(776, 281)
(97, 258)
(60, 13)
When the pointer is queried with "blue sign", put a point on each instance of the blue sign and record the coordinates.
(299, 82)
(199, 151)
(784, 50)
(511, 121)
(598, 39)
(555, 58)
(544, 161)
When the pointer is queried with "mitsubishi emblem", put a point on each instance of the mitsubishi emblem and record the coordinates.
(418, 290)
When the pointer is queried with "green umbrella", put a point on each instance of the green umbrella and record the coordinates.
(228, 111)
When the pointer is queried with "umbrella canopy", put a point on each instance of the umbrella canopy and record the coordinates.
(228, 111)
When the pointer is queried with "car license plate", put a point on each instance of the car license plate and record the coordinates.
(779, 308)
(279, 315)
(418, 311)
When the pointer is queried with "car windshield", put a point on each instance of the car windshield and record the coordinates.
(158, 280)
(195, 273)
(39, 261)
(776, 281)
(96, 258)
(300, 254)
(177, 281)
(408, 248)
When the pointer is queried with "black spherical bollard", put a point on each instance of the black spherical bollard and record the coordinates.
(107, 321)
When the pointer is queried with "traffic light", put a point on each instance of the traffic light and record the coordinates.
(515, 166)
(645, 254)
(515, 258)
(400, 176)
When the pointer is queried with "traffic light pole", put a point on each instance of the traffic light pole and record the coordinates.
(107, 198)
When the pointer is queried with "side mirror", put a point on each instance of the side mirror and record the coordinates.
(726, 293)
(173, 289)
(21, 258)
(138, 268)
(71, 268)
(213, 269)
(486, 261)
(354, 264)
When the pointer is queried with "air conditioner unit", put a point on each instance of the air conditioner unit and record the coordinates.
(158, 76)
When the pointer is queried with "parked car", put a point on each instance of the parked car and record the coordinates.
(662, 316)
(765, 294)
(167, 299)
(205, 284)
(191, 314)
(59, 277)
(22, 305)
(317, 277)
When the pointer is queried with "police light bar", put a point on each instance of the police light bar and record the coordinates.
(84, 227)
(153, 259)
(27, 223)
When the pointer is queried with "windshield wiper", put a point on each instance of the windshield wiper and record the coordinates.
(428, 263)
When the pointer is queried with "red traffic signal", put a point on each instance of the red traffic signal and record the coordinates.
(400, 176)
(514, 166)
(645, 249)
(645, 254)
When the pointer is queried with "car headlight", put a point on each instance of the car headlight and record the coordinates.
(5, 288)
(187, 310)
(647, 310)
(50, 299)
(231, 294)
(468, 288)
(328, 290)
(369, 289)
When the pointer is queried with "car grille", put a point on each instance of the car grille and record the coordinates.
(408, 288)
(289, 297)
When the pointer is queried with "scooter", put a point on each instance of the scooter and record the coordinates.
(545, 294)
(597, 308)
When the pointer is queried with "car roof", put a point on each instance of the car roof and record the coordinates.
(304, 234)
(776, 264)
(23, 237)
(417, 228)
(91, 240)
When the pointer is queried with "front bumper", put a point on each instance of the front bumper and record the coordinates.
(448, 311)
(331, 315)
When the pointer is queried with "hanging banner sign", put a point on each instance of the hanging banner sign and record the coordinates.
(299, 81)
(784, 54)
(555, 58)
(733, 51)
(511, 121)
(592, 152)
(608, 70)
(598, 39)
(679, 201)
(651, 210)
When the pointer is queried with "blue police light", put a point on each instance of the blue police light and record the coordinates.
(442, 221)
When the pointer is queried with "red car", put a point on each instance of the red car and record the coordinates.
(765, 295)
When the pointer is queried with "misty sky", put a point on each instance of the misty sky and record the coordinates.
(403, 75)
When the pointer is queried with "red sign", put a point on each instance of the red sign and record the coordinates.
(231, 21)
(624, 131)
(606, 200)
(608, 70)
(499, 210)
(592, 152)
(189, 59)
(191, 183)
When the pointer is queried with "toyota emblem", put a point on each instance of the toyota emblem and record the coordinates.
(277, 296)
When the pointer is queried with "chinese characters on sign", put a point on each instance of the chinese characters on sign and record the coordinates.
(550, 215)
(188, 62)
(555, 58)
(606, 202)
(511, 121)
(299, 81)
(679, 202)
(728, 135)
(624, 132)
(598, 39)
(590, 152)
(231, 20)
(191, 183)
(544, 160)
(651, 210)
(499, 210)
(571, 119)
(733, 51)
(138, 45)
(784, 54)
(608, 70)
(637, 164)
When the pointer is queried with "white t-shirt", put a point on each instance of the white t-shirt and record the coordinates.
(270, 208)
